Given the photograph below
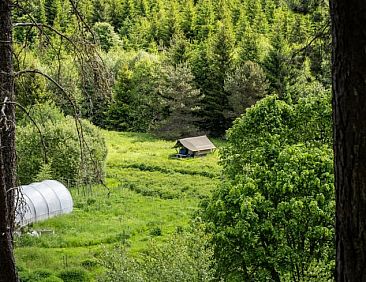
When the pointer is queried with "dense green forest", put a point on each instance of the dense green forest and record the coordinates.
(175, 68)
(254, 72)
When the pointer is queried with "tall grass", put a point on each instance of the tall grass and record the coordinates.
(152, 195)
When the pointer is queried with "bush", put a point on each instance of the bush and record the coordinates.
(155, 231)
(74, 275)
(65, 155)
(39, 275)
(184, 257)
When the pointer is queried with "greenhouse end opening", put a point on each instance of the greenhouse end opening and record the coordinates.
(42, 200)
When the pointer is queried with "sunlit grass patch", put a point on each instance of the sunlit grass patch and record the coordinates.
(151, 195)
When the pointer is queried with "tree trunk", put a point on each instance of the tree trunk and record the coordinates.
(7, 146)
(349, 115)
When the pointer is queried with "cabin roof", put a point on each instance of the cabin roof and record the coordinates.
(195, 144)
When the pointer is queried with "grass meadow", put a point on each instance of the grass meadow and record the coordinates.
(151, 195)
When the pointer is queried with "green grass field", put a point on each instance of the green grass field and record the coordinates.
(151, 195)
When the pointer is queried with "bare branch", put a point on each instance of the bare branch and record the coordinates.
(78, 124)
(45, 159)
(318, 35)
(81, 18)
(41, 26)
(36, 71)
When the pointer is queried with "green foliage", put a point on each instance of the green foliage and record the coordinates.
(74, 275)
(31, 88)
(277, 220)
(277, 66)
(96, 90)
(211, 36)
(105, 35)
(277, 162)
(45, 172)
(126, 216)
(273, 216)
(183, 257)
(52, 10)
(181, 101)
(245, 86)
(215, 101)
(136, 101)
(274, 121)
(59, 152)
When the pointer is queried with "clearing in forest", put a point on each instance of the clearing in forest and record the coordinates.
(152, 195)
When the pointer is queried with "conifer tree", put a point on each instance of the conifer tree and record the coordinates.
(188, 18)
(178, 51)
(205, 19)
(181, 101)
(215, 102)
(52, 10)
(40, 14)
(114, 14)
(99, 11)
(241, 24)
(144, 8)
(245, 85)
(248, 47)
(276, 65)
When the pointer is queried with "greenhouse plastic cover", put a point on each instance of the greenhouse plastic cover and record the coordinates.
(43, 200)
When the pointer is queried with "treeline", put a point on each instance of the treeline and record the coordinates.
(174, 67)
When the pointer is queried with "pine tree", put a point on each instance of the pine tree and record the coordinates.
(99, 11)
(52, 10)
(178, 51)
(245, 85)
(215, 102)
(248, 47)
(188, 18)
(205, 19)
(276, 65)
(181, 101)
(241, 24)
(115, 14)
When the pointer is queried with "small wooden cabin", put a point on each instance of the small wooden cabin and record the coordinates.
(194, 146)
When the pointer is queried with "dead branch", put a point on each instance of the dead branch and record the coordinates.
(45, 159)
(81, 18)
(41, 26)
(36, 71)
(318, 35)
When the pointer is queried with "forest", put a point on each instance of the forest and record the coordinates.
(94, 76)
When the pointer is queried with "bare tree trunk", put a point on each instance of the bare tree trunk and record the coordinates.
(349, 114)
(7, 146)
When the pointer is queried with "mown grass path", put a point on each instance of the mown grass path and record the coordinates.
(152, 195)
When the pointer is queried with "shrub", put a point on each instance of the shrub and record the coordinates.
(74, 275)
(64, 155)
(155, 231)
(89, 263)
(184, 257)
(41, 275)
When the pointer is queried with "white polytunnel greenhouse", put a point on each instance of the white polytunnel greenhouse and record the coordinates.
(42, 200)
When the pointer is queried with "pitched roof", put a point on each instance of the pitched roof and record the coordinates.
(195, 144)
